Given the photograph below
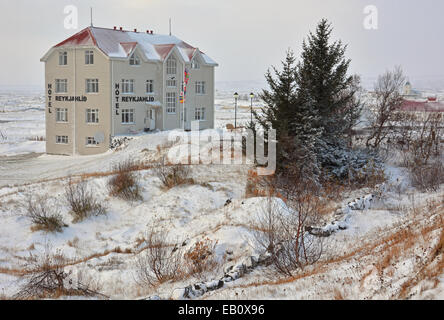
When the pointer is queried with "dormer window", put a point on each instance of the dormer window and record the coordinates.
(195, 64)
(134, 60)
(63, 58)
(171, 66)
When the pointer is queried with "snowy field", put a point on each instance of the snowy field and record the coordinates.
(383, 250)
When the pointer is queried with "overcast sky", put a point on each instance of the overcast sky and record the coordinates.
(244, 36)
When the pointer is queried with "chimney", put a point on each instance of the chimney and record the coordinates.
(151, 31)
(115, 28)
(135, 30)
(121, 28)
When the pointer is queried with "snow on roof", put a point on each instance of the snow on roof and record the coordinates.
(120, 43)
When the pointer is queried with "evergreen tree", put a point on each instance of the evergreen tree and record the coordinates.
(313, 106)
(280, 99)
(297, 139)
(323, 84)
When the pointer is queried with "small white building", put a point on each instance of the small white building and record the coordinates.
(105, 82)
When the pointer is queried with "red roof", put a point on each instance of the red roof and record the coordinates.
(120, 43)
(128, 46)
(163, 49)
(82, 38)
(424, 106)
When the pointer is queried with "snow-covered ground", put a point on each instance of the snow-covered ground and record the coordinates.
(385, 247)
(22, 122)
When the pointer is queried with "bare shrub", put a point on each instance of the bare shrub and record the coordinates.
(388, 100)
(370, 175)
(125, 183)
(159, 262)
(281, 230)
(81, 201)
(201, 258)
(43, 215)
(172, 175)
(45, 277)
(427, 177)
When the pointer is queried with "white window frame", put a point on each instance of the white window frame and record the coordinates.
(92, 86)
(61, 85)
(171, 83)
(200, 87)
(63, 58)
(89, 57)
(92, 115)
(62, 115)
(171, 66)
(134, 60)
(199, 113)
(171, 102)
(128, 113)
(128, 86)
(150, 86)
(91, 142)
(61, 139)
(195, 64)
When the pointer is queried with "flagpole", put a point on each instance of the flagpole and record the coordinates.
(183, 101)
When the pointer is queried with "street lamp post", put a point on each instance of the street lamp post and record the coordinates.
(236, 95)
(251, 108)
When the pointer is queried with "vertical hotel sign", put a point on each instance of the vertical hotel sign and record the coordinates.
(117, 95)
(49, 92)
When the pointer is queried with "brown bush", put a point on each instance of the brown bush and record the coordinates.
(81, 201)
(43, 215)
(281, 231)
(45, 277)
(172, 175)
(427, 177)
(125, 183)
(201, 259)
(159, 262)
(369, 176)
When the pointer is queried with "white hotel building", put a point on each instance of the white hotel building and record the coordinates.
(105, 82)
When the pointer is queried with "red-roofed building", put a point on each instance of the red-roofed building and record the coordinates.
(106, 82)
(429, 105)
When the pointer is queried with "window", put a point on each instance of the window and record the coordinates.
(61, 85)
(89, 57)
(171, 83)
(92, 85)
(149, 86)
(171, 66)
(134, 60)
(127, 116)
(127, 86)
(92, 115)
(63, 58)
(62, 115)
(195, 64)
(199, 114)
(200, 87)
(90, 141)
(171, 102)
(62, 139)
